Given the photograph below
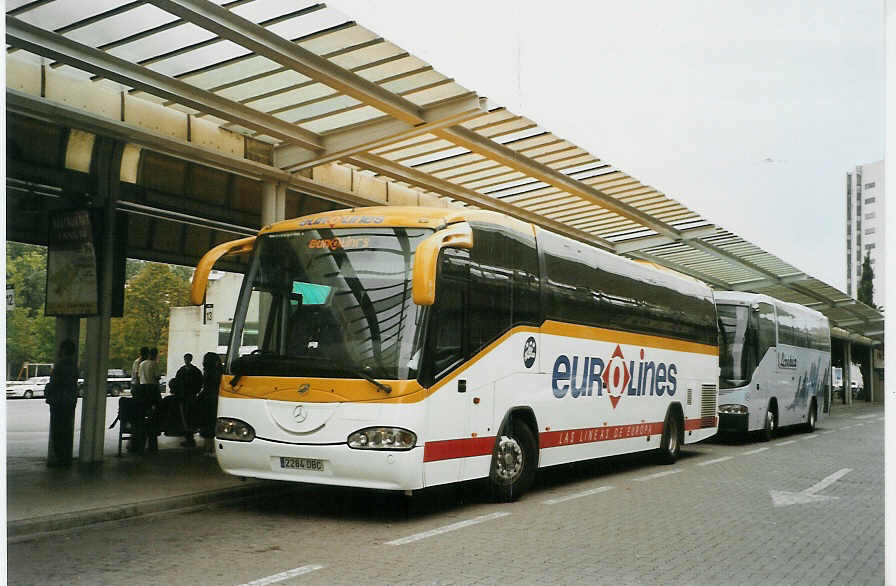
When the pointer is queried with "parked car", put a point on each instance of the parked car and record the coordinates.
(27, 389)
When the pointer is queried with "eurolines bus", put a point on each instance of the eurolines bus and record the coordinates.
(401, 348)
(775, 360)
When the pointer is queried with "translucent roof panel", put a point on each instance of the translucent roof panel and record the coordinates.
(392, 115)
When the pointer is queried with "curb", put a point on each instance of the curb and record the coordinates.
(27, 529)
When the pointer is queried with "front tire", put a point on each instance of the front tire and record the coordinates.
(771, 425)
(670, 444)
(513, 462)
(811, 417)
(28, 394)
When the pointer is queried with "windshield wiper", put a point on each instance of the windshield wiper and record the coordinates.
(361, 373)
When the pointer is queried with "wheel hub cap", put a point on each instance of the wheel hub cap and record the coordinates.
(509, 461)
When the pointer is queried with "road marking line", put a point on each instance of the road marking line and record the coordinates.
(846, 427)
(717, 460)
(829, 431)
(656, 475)
(858, 425)
(866, 416)
(446, 528)
(786, 443)
(569, 497)
(756, 451)
(810, 436)
(284, 575)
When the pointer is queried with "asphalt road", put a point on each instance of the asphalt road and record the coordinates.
(804, 508)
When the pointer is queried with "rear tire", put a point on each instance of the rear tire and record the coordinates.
(28, 394)
(771, 425)
(811, 417)
(670, 444)
(513, 462)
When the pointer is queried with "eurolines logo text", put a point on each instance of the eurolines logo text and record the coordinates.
(617, 377)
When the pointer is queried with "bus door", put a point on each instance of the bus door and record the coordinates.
(448, 409)
(766, 381)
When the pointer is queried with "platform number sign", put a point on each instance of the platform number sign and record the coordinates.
(10, 298)
(208, 313)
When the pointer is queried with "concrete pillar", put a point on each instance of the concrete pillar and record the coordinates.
(847, 367)
(868, 374)
(93, 408)
(67, 328)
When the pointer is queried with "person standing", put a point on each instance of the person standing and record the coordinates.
(208, 398)
(148, 398)
(188, 384)
(135, 368)
(62, 396)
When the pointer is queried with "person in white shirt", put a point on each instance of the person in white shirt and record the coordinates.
(148, 398)
(135, 368)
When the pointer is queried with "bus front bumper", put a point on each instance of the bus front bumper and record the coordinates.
(733, 422)
(336, 465)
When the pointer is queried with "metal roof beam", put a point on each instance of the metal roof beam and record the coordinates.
(764, 283)
(646, 242)
(340, 144)
(513, 159)
(57, 47)
(684, 269)
(856, 322)
(412, 176)
(28, 105)
(246, 33)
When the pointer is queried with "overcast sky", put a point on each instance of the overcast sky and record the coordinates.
(750, 113)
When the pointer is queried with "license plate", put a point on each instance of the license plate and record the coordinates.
(302, 463)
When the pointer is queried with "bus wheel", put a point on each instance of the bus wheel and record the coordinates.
(28, 394)
(670, 444)
(513, 462)
(771, 425)
(812, 417)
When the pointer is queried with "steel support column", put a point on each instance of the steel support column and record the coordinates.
(93, 408)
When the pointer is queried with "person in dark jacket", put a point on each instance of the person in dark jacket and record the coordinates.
(62, 395)
(186, 386)
(212, 370)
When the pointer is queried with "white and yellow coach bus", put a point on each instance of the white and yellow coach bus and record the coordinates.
(400, 348)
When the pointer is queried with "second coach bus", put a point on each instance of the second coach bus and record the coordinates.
(400, 348)
(775, 361)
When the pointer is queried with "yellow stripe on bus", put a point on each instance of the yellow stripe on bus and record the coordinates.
(338, 390)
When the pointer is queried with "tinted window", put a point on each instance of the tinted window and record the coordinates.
(766, 321)
(587, 286)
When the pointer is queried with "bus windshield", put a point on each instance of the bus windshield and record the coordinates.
(329, 302)
(738, 345)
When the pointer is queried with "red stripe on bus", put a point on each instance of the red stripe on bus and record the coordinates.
(482, 446)
(458, 448)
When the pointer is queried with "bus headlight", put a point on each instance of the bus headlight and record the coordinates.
(382, 438)
(734, 409)
(234, 429)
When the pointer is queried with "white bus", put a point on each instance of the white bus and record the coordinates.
(775, 360)
(401, 348)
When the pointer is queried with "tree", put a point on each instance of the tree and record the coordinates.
(30, 336)
(148, 298)
(866, 282)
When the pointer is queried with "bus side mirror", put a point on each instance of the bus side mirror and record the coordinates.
(426, 259)
(200, 276)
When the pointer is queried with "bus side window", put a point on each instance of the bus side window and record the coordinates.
(766, 319)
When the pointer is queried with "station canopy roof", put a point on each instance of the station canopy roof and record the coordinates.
(322, 94)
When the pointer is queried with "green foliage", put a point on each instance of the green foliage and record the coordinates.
(148, 298)
(866, 282)
(29, 334)
(151, 290)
